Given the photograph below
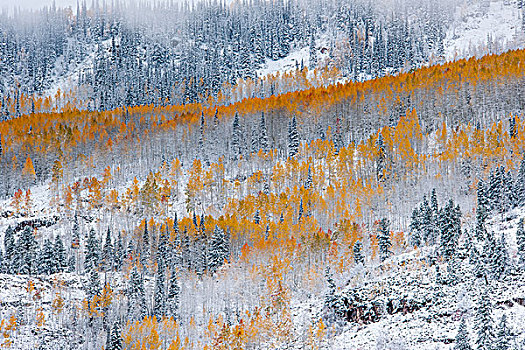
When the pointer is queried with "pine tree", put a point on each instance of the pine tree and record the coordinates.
(46, 261)
(309, 181)
(119, 253)
(383, 239)
(146, 248)
(520, 240)
(163, 255)
(450, 227)
(503, 337)
(92, 253)
(484, 326)
(10, 249)
(236, 148)
(60, 256)
(108, 256)
(219, 249)
(173, 295)
(26, 251)
(481, 216)
(115, 340)
(93, 285)
(293, 138)
(359, 258)
(415, 228)
(159, 308)
(519, 185)
(462, 337)
(263, 135)
(137, 308)
(501, 258)
(381, 158)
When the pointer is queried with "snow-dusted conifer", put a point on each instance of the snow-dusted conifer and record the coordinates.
(107, 252)
(173, 295)
(359, 258)
(462, 337)
(484, 322)
(503, 337)
(383, 239)
(293, 138)
(159, 296)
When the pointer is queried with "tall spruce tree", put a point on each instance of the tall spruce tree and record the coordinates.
(159, 296)
(450, 227)
(503, 336)
(519, 185)
(520, 240)
(462, 337)
(92, 253)
(359, 258)
(60, 254)
(108, 257)
(137, 308)
(219, 249)
(173, 295)
(484, 322)
(383, 239)
(26, 252)
(263, 135)
(10, 249)
(115, 339)
(293, 138)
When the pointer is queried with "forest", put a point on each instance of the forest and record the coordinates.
(143, 210)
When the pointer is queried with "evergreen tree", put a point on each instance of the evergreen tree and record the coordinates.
(462, 337)
(381, 158)
(92, 254)
(115, 340)
(146, 248)
(293, 138)
(450, 227)
(383, 239)
(119, 253)
(159, 308)
(93, 285)
(60, 255)
(26, 252)
(236, 147)
(359, 258)
(484, 326)
(481, 216)
(219, 249)
(415, 228)
(501, 258)
(257, 218)
(108, 256)
(46, 261)
(519, 185)
(263, 135)
(309, 181)
(163, 255)
(10, 249)
(137, 308)
(173, 295)
(503, 337)
(520, 240)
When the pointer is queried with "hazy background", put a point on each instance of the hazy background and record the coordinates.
(35, 4)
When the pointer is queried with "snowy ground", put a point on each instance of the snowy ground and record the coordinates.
(474, 25)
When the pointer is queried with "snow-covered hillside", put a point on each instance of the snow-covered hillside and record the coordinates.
(482, 27)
